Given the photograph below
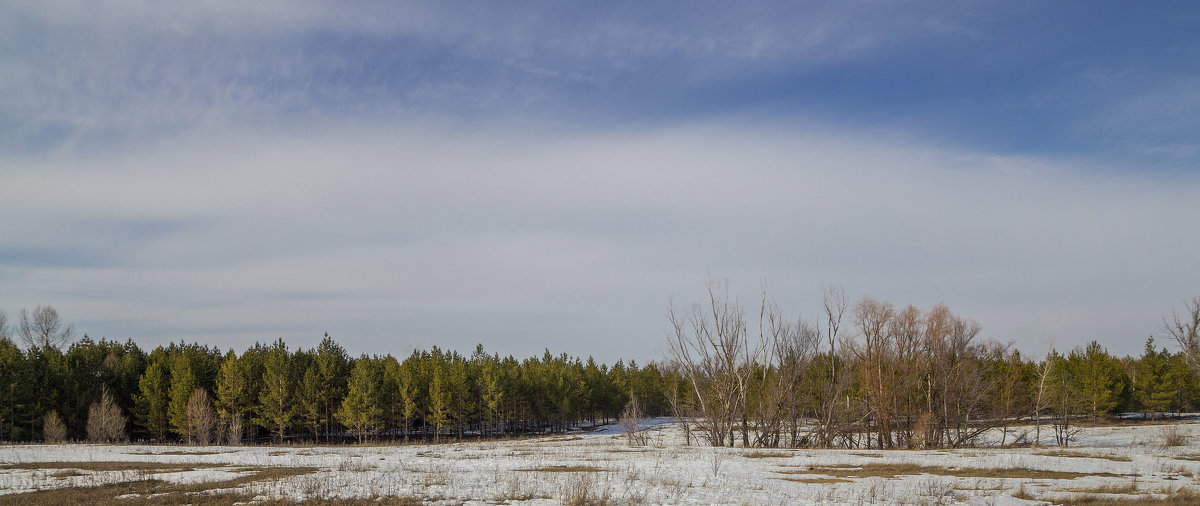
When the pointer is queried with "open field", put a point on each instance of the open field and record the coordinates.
(1108, 465)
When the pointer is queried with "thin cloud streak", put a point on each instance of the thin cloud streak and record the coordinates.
(413, 235)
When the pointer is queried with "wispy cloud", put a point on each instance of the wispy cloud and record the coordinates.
(422, 234)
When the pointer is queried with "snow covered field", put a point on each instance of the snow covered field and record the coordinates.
(593, 467)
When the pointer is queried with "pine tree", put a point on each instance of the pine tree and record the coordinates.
(333, 368)
(153, 399)
(11, 361)
(183, 384)
(312, 400)
(439, 400)
(275, 401)
(360, 410)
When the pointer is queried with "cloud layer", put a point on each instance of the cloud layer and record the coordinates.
(551, 175)
(416, 235)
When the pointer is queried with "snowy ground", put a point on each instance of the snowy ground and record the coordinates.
(1122, 461)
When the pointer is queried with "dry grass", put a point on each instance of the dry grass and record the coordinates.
(565, 469)
(816, 481)
(178, 452)
(149, 467)
(1079, 454)
(67, 473)
(894, 470)
(1179, 498)
(767, 455)
(152, 491)
(1111, 488)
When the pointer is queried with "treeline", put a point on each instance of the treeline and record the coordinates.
(112, 391)
(878, 376)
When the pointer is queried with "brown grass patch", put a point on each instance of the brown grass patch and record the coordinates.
(1079, 454)
(1179, 498)
(152, 491)
(67, 473)
(1112, 488)
(566, 469)
(767, 455)
(150, 467)
(816, 481)
(894, 470)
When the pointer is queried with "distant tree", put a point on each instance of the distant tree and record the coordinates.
(1185, 329)
(1102, 380)
(333, 369)
(5, 330)
(311, 401)
(403, 376)
(235, 396)
(54, 431)
(43, 328)
(11, 363)
(183, 385)
(106, 423)
(154, 399)
(361, 410)
(440, 410)
(201, 420)
(1152, 391)
(275, 404)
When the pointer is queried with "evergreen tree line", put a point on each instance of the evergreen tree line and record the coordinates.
(873, 375)
(111, 391)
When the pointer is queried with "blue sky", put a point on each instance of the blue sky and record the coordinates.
(552, 174)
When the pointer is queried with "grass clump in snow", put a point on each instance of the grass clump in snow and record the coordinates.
(1079, 454)
(147, 491)
(767, 455)
(1182, 497)
(903, 469)
(565, 469)
(149, 467)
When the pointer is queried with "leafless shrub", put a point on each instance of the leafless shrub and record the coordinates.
(714, 462)
(53, 428)
(233, 429)
(106, 423)
(581, 492)
(631, 418)
(201, 419)
(1172, 435)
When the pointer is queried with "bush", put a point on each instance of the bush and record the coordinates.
(53, 429)
(1173, 435)
(106, 422)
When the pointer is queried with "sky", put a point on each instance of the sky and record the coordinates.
(553, 175)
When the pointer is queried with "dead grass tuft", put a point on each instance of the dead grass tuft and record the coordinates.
(894, 470)
(149, 467)
(1179, 498)
(566, 469)
(152, 491)
(816, 481)
(767, 455)
(1079, 454)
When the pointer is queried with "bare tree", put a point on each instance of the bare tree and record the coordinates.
(5, 333)
(106, 423)
(631, 420)
(201, 420)
(874, 319)
(707, 346)
(834, 385)
(54, 431)
(1185, 329)
(1042, 400)
(43, 328)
